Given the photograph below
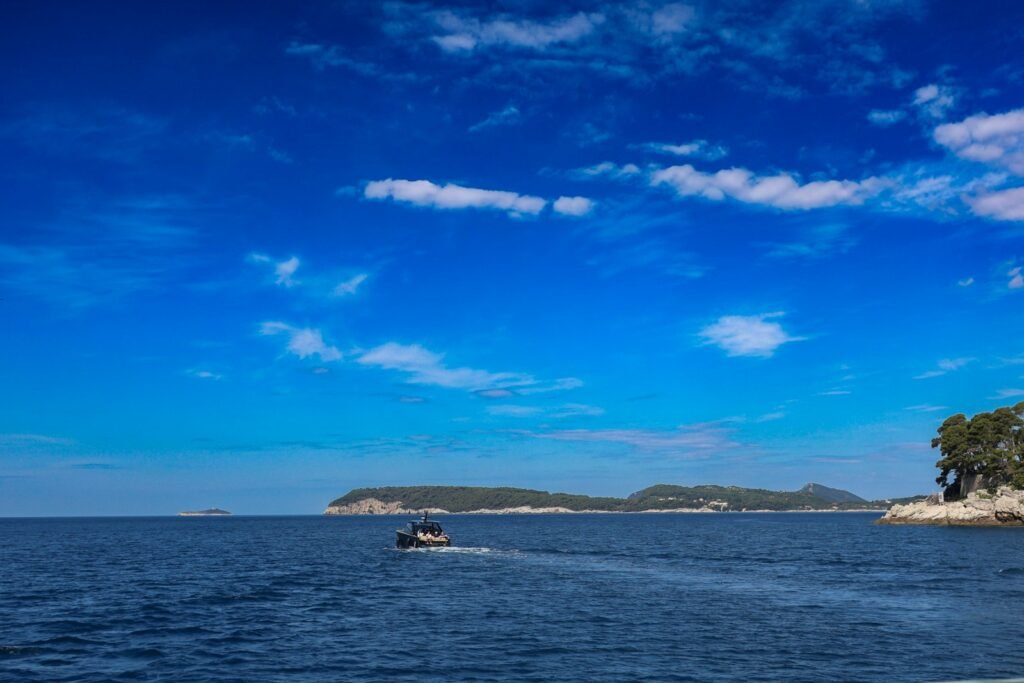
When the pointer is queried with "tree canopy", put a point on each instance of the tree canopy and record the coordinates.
(988, 444)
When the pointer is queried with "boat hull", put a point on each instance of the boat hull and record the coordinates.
(405, 540)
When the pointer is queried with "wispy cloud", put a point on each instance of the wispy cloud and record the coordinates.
(945, 366)
(514, 411)
(567, 410)
(283, 271)
(351, 285)
(687, 441)
(1009, 393)
(748, 335)
(701, 149)
(818, 241)
(425, 367)
(965, 282)
(204, 374)
(544, 387)
(1016, 278)
(925, 408)
(495, 393)
(934, 100)
(508, 116)
(99, 250)
(26, 439)
(460, 33)
(304, 342)
(577, 410)
(451, 196)
(781, 191)
(323, 56)
(607, 169)
(886, 118)
(776, 50)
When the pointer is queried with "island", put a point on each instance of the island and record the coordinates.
(393, 500)
(211, 512)
(981, 471)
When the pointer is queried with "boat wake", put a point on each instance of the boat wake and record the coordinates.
(463, 550)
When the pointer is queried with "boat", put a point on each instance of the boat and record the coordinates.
(422, 533)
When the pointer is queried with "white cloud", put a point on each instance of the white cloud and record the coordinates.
(966, 282)
(608, 169)
(1004, 205)
(781, 191)
(350, 286)
(426, 367)
(283, 270)
(204, 374)
(885, 118)
(996, 139)
(1016, 278)
(946, 365)
(451, 196)
(748, 335)
(835, 392)
(934, 100)
(573, 206)
(303, 342)
(462, 34)
(696, 148)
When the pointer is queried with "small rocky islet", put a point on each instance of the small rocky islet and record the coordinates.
(981, 470)
(209, 512)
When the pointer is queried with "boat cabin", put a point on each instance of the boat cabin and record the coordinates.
(427, 528)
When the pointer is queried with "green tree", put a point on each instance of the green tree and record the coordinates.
(988, 444)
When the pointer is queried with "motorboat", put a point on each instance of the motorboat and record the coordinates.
(422, 533)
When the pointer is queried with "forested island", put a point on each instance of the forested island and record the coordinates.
(658, 498)
(209, 512)
(981, 470)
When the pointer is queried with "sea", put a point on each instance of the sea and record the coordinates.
(586, 597)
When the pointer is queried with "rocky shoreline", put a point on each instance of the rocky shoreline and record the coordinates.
(1005, 507)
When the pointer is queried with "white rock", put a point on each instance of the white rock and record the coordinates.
(1005, 507)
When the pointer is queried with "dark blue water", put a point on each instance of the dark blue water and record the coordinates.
(753, 597)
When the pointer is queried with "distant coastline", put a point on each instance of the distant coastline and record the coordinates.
(662, 498)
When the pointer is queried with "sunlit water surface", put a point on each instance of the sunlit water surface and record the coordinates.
(673, 597)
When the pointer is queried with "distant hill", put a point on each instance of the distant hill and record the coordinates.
(402, 499)
(831, 494)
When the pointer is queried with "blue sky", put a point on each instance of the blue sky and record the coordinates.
(256, 256)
